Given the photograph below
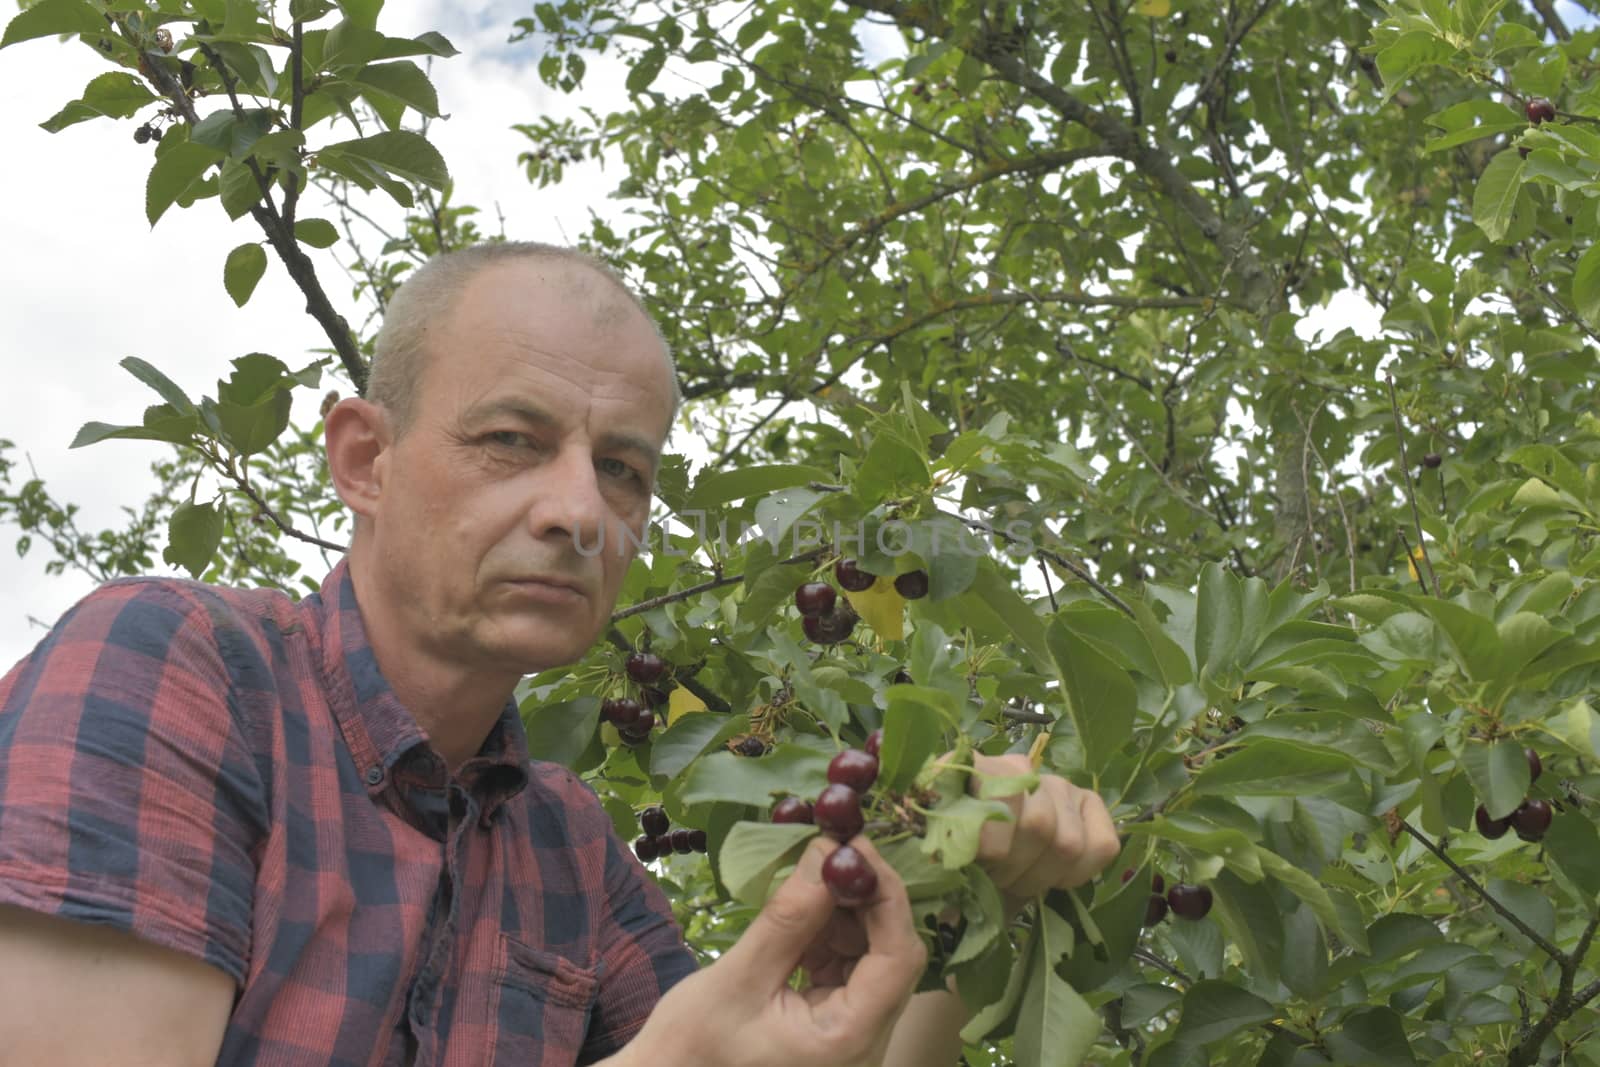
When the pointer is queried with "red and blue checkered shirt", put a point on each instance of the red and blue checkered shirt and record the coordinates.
(226, 773)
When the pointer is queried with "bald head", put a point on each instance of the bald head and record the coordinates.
(422, 306)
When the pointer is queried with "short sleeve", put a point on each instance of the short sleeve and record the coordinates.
(642, 953)
(128, 793)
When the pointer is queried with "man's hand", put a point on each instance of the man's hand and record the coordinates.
(741, 1011)
(1060, 836)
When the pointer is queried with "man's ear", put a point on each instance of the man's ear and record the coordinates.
(357, 434)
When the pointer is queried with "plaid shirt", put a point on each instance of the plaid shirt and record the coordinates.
(226, 773)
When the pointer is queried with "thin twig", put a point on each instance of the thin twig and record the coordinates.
(1488, 898)
(1411, 489)
(704, 587)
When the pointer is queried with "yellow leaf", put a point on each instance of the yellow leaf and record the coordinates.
(1036, 750)
(1411, 564)
(1156, 9)
(682, 702)
(881, 608)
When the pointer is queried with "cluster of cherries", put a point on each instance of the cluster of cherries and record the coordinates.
(1531, 821)
(659, 839)
(837, 811)
(1186, 901)
(634, 718)
(826, 619)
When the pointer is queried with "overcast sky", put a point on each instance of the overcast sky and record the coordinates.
(88, 282)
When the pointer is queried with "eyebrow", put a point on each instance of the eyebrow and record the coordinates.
(531, 415)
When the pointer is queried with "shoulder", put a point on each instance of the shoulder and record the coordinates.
(133, 628)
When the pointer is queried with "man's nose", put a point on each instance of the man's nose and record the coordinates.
(569, 502)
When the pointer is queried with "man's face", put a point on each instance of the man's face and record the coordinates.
(510, 510)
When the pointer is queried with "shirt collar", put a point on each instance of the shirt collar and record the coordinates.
(379, 729)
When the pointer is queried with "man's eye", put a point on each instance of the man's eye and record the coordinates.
(507, 438)
(615, 468)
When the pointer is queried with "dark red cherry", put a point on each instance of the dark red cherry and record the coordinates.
(646, 668)
(815, 598)
(850, 576)
(681, 842)
(653, 821)
(1490, 828)
(1189, 901)
(698, 841)
(913, 585)
(1535, 765)
(620, 711)
(874, 741)
(838, 812)
(1532, 819)
(645, 849)
(1155, 910)
(850, 876)
(854, 768)
(792, 809)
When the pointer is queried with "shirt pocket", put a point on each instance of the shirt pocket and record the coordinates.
(544, 1004)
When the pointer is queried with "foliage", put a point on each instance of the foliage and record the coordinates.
(1037, 297)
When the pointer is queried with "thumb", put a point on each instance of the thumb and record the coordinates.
(792, 919)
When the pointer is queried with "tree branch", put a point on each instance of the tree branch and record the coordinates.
(1411, 489)
(1472, 883)
(1256, 288)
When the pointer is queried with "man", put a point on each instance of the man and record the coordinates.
(239, 830)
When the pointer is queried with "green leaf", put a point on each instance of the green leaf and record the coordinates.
(232, 134)
(398, 152)
(175, 173)
(789, 770)
(988, 1016)
(1374, 1036)
(1217, 616)
(1495, 198)
(166, 387)
(559, 732)
(193, 534)
(953, 829)
(244, 268)
(913, 728)
(1586, 285)
(719, 487)
(755, 851)
(645, 69)
(48, 18)
(1573, 846)
(404, 81)
(1056, 1027)
(993, 605)
(112, 95)
(178, 430)
(1270, 767)
(1100, 695)
(1499, 774)
(683, 741)
(362, 12)
(318, 233)
(1213, 1010)
(251, 428)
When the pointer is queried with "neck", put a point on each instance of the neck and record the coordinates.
(455, 704)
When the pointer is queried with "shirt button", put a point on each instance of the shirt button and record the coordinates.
(374, 775)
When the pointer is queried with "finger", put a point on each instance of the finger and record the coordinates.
(995, 836)
(1033, 839)
(882, 979)
(1058, 858)
(1101, 844)
(771, 947)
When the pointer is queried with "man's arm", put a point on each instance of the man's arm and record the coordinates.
(78, 995)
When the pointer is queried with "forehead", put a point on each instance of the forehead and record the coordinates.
(554, 332)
